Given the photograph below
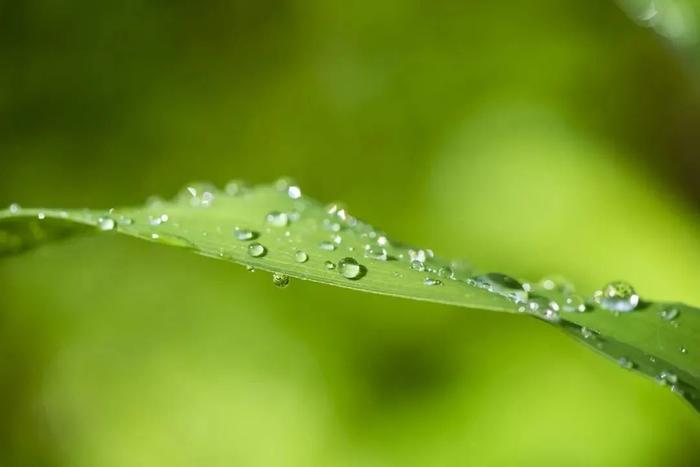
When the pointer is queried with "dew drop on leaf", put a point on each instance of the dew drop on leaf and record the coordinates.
(280, 280)
(244, 234)
(329, 265)
(256, 250)
(376, 252)
(106, 223)
(670, 313)
(349, 268)
(301, 256)
(617, 296)
(429, 281)
(277, 219)
(625, 363)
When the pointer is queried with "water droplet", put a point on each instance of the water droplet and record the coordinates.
(446, 273)
(349, 268)
(157, 220)
(41, 216)
(328, 246)
(301, 256)
(670, 313)
(574, 303)
(329, 265)
(587, 333)
(14, 208)
(683, 350)
(625, 363)
(429, 281)
(106, 224)
(382, 240)
(123, 220)
(244, 234)
(294, 192)
(250, 268)
(198, 194)
(500, 284)
(617, 296)
(417, 255)
(544, 308)
(277, 219)
(667, 377)
(256, 250)
(417, 265)
(280, 280)
(376, 252)
(337, 239)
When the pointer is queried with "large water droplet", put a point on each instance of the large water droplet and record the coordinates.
(349, 268)
(106, 223)
(280, 280)
(244, 234)
(617, 296)
(256, 250)
(500, 284)
(277, 219)
(301, 257)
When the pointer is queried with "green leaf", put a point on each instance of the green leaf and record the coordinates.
(274, 228)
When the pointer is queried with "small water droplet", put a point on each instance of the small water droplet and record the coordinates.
(250, 268)
(41, 216)
(349, 268)
(256, 250)
(277, 219)
(329, 265)
(625, 363)
(417, 265)
(301, 256)
(326, 245)
(617, 296)
(280, 280)
(683, 349)
(376, 252)
(417, 255)
(106, 223)
(670, 313)
(587, 333)
(123, 220)
(429, 281)
(14, 208)
(244, 234)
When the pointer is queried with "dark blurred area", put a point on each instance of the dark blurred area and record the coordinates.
(531, 137)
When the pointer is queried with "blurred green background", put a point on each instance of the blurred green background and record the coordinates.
(530, 137)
